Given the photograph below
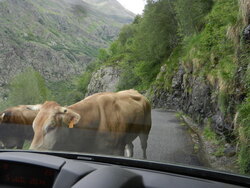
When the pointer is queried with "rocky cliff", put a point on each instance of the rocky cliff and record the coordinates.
(192, 95)
(209, 82)
(207, 98)
(103, 80)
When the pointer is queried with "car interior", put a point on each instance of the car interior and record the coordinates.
(60, 170)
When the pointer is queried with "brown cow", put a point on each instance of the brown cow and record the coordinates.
(12, 120)
(108, 122)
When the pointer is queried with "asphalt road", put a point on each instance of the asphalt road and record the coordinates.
(169, 141)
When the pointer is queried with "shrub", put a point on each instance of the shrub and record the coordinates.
(28, 88)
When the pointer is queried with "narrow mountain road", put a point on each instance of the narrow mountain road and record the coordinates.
(169, 141)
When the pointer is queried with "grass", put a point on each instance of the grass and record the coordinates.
(244, 136)
(26, 145)
(179, 115)
(223, 102)
(219, 151)
(217, 142)
(172, 65)
(211, 52)
(209, 134)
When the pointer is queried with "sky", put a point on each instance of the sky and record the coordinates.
(135, 6)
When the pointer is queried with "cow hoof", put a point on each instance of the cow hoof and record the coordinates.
(127, 152)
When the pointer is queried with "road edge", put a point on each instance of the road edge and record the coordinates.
(224, 163)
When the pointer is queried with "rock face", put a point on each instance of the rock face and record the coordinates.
(246, 34)
(195, 97)
(103, 80)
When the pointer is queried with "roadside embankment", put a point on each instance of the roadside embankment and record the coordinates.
(213, 152)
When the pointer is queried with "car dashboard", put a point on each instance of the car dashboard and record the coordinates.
(31, 169)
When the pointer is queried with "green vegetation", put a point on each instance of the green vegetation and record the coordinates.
(73, 90)
(243, 128)
(211, 54)
(244, 135)
(27, 88)
(213, 44)
(26, 145)
(209, 134)
(172, 65)
(203, 38)
(61, 91)
(143, 46)
(213, 138)
(154, 39)
(191, 15)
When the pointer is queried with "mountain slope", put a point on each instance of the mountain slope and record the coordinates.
(112, 8)
(53, 36)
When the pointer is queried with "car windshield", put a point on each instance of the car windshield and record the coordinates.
(155, 80)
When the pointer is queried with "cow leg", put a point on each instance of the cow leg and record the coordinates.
(2, 146)
(144, 140)
(20, 144)
(118, 151)
(129, 150)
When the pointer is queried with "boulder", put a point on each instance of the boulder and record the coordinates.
(103, 80)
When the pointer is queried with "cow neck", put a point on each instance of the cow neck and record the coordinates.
(78, 107)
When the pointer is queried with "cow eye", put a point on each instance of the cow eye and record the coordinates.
(65, 111)
(49, 128)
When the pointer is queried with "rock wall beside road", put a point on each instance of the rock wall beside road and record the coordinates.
(103, 80)
(196, 97)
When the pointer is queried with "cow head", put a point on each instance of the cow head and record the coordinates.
(22, 114)
(12, 120)
(49, 120)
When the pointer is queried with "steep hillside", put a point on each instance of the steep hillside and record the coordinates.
(199, 67)
(208, 79)
(52, 36)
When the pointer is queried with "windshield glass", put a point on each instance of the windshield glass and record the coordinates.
(158, 80)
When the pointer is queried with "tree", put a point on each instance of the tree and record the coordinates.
(126, 33)
(191, 15)
(155, 39)
(157, 32)
(28, 88)
(103, 55)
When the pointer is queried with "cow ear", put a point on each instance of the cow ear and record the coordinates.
(34, 107)
(73, 119)
(2, 117)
